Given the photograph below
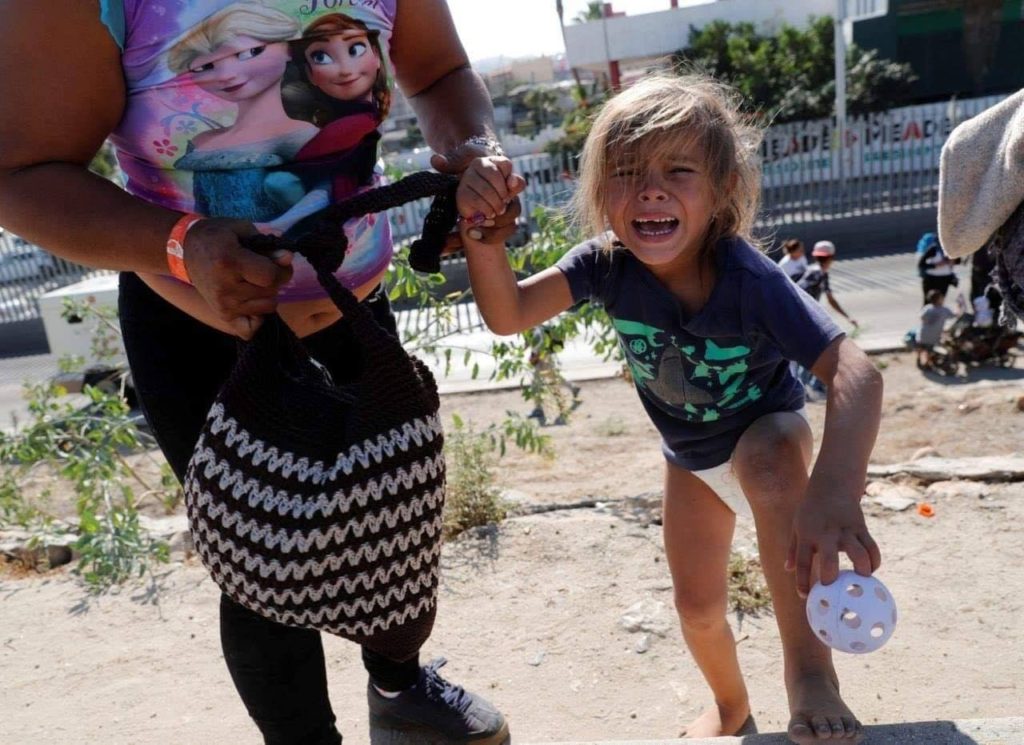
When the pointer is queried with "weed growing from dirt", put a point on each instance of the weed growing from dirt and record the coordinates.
(748, 592)
(473, 499)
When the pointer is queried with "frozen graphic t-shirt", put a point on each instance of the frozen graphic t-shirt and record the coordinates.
(703, 379)
(261, 111)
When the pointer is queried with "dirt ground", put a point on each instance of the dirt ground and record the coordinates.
(531, 613)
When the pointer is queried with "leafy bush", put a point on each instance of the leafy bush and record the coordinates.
(86, 446)
(790, 74)
(473, 499)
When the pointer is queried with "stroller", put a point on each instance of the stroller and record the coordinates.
(981, 345)
(963, 342)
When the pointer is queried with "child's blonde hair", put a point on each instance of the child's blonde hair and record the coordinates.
(659, 115)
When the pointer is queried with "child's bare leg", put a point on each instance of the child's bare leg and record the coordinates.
(698, 531)
(771, 462)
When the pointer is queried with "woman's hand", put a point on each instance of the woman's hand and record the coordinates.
(240, 285)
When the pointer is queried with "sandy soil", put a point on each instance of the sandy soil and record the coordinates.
(531, 611)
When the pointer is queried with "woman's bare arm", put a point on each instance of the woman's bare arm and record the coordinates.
(432, 69)
(63, 92)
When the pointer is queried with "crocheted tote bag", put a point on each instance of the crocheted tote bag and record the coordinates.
(318, 504)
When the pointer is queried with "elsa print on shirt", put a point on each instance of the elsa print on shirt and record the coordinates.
(239, 54)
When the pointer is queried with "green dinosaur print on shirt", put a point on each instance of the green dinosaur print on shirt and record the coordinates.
(698, 384)
(717, 353)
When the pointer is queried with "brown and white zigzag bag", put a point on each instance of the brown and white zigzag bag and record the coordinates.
(319, 505)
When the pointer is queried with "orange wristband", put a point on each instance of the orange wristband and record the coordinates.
(176, 246)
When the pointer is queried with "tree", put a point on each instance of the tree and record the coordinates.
(790, 75)
(543, 106)
(594, 12)
(982, 28)
(575, 72)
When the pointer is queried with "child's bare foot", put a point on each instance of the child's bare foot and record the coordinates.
(718, 721)
(818, 712)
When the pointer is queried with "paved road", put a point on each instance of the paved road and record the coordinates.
(882, 293)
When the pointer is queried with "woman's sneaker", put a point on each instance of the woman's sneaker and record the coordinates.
(436, 707)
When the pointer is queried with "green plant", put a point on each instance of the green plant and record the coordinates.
(510, 355)
(472, 498)
(748, 592)
(88, 447)
(790, 74)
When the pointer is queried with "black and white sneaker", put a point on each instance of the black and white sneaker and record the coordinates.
(434, 707)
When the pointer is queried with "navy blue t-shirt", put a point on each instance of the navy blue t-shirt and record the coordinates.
(704, 379)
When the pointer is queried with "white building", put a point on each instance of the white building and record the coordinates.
(640, 40)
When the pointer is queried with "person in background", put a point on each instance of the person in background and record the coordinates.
(933, 320)
(815, 281)
(981, 196)
(794, 263)
(935, 266)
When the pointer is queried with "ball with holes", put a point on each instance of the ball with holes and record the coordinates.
(853, 614)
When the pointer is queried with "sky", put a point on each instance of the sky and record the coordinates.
(524, 28)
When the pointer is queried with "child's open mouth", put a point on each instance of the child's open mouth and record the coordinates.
(656, 227)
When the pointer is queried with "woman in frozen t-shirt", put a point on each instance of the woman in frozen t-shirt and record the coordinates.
(184, 98)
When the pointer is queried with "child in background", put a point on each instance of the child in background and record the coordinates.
(794, 263)
(707, 324)
(935, 266)
(933, 319)
(815, 280)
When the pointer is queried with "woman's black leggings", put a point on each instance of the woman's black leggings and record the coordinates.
(178, 364)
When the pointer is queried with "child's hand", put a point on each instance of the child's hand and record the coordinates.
(487, 187)
(823, 527)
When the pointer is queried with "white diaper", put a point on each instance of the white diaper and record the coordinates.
(723, 481)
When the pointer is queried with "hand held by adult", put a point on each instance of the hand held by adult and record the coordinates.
(491, 229)
(239, 285)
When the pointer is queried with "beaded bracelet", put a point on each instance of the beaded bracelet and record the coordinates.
(488, 143)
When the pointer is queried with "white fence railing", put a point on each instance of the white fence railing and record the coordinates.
(889, 162)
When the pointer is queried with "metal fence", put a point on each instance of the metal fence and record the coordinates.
(548, 184)
(889, 162)
(27, 272)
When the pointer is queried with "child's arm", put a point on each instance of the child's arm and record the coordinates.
(507, 305)
(830, 519)
(838, 308)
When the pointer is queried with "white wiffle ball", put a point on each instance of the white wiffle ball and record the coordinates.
(853, 614)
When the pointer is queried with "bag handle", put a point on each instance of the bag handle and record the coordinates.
(324, 247)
